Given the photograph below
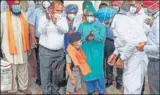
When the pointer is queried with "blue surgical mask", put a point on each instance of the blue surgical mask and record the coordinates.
(16, 9)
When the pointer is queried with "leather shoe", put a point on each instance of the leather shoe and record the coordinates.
(108, 84)
(119, 86)
(38, 82)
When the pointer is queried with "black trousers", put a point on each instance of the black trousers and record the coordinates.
(38, 62)
(143, 88)
(109, 49)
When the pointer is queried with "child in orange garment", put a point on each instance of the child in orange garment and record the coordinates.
(76, 62)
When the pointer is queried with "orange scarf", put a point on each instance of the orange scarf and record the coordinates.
(78, 57)
(24, 30)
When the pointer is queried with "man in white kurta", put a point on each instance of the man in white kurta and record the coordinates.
(19, 61)
(127, 35)
(137, 13)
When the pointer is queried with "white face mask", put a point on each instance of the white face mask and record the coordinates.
(132, 9)
(90, 19)
(57, 15)
(71, 16)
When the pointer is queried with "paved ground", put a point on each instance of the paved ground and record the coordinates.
(111, 90)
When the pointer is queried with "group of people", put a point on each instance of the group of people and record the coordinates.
(68, 49)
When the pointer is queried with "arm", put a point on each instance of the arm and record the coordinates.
(69, 72)
(127, 50)
(156, 29)
(32, 25)
(116, 52)
(32, 34)
(68, 67)
(42, 26)
(62, 25)
(101, 36)
(147, 29)
(153, 47)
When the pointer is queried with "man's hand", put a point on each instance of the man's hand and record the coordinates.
(120, 63)
(34, 42)
(112, 59)
(48, 15)
(140, 46)
(32, 36)
(54, 20)
(73, 81)
(149, 21)
(72, 31)
(90, 36)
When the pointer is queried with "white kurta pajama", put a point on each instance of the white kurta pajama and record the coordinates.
(127, 35)
(19, 61)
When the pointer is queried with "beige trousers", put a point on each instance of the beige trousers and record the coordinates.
(20, 77)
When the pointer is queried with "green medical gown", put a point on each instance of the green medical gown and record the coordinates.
(94, 50)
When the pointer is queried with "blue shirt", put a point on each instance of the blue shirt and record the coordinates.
(152, 46)
(35, 17)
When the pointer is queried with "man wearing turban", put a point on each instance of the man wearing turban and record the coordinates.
(73, 23)
(109, 46)
(93, 38)
(82, 18)
(15, 44)
(127, 35)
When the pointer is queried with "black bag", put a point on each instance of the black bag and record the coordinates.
(60, 71)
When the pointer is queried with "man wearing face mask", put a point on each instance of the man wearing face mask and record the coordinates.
(15, 44)
(137, 13)
(33, 26)
(73, 24)
(52, 28)
(93, 39)
(127, 35)
(152, 49)
(82, 17)
(116, 5)
(109, 48)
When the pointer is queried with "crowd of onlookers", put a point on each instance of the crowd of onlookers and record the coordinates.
(65, 48)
